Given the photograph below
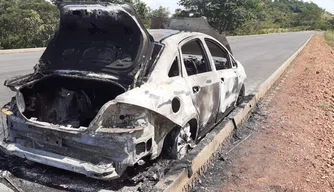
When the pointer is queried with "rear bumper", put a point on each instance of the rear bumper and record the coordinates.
(103, 154)
(101, 171)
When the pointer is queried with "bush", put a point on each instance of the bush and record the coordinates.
(329, 36)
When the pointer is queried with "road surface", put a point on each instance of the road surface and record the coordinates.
(4, 188)
(261, 55)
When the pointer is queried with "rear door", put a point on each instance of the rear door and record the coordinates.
(201, 79)
(227, 74)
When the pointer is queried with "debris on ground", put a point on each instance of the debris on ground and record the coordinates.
(22, 175)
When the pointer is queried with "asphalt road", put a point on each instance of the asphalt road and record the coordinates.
(261, 55)
(4, 188)
(12, 65)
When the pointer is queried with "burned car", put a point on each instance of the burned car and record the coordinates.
(107, 92)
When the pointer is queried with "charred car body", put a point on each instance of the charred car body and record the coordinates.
(107, 92)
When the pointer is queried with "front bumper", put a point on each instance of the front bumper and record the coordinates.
(100, 171)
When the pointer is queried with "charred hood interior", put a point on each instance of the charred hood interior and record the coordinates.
(66, 100)
(94, 38)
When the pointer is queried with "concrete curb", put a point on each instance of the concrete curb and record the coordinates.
(29, 50)
(277, 33)
(184, 172)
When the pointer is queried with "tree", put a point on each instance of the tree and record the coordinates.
(57, 2)
(143, 12)
(161, 12)
(331, 23)
(223, 15)
(255, 16)
(309, 15)
(26, 23)
(31, 23)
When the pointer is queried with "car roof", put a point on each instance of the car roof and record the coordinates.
(161, 34)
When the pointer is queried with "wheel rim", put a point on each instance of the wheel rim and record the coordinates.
(184, 141)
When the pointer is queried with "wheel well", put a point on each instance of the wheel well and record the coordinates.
(167, 140)
(243, 89)
(193, 131)
(193, 128)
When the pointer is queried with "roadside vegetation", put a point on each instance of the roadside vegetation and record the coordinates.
(31, 23)
(329, 36)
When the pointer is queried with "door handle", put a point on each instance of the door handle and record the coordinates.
(196, 89)
(223, 80)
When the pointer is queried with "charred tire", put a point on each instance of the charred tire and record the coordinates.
(178, 142)
(241, 96)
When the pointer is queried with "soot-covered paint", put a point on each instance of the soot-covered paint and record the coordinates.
(98, 120)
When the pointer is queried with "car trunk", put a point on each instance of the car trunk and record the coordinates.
(67, 101)
(99, 37)
(92, 38)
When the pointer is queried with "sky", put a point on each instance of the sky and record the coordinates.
(172, 4)
(326, 4)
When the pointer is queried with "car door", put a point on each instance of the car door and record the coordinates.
(202, 81)
(239, 71)
(227, 74)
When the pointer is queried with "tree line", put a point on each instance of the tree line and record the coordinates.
(258, 16)
(31, 23)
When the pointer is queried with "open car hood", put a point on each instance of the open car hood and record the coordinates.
(98, 37)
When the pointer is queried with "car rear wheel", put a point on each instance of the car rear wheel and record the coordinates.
(180, 142)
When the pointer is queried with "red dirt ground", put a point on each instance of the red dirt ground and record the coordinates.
(294, 149)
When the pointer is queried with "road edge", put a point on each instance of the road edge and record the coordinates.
(4, 188)
(181, 177)
(14, 51)
(277, 33)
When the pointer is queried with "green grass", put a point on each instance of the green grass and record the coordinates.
(329, 36)
(325, 106)
(273, 30)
